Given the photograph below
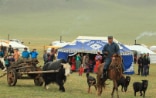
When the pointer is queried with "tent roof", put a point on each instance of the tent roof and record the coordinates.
(4, 44)
(91, 45)
(140, 49)
(16, 45)
(84, 38)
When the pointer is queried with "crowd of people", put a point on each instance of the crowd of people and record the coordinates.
(13, 55)
(88, 62)
(143, 64)
(47, 57)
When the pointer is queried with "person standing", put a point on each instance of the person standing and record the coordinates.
(25, 54)
(73, 63)
(2, 58)
(45, 57)
(85, 62)
(108, 50)
(10, 50)
(98, 60)
(149, 61)
(78, 61)
(7, 63)
(16, 55)
(145, 65)
(140, 65)
(34, 54)
(1, 53)
(52, 55)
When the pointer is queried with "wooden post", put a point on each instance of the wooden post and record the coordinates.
(60, 39)
(8, 36)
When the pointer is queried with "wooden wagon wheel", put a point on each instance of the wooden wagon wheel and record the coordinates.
(11, 77)
(38, 81)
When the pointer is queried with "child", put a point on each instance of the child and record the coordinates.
(7, 64)
(81, 70)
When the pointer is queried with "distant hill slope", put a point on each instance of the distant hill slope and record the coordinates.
(48, 19)
(12, 6)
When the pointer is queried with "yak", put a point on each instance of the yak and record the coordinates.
(59, 77)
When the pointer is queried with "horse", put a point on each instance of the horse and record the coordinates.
(114, 74)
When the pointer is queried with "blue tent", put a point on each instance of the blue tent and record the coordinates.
(94, 46)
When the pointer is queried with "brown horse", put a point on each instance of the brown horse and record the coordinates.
(114, 74)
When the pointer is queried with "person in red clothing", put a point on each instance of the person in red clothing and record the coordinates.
(81, 70)
(73, 64)
(98, 60)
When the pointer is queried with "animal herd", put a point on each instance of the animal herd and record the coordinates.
(64, 70)
(124, 83)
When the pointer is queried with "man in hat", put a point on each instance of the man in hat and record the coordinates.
(108, 50)
(25, 54)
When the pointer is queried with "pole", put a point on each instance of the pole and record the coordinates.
(60, 39)
(8, 36)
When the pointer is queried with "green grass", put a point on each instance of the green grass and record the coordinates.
(76, 87)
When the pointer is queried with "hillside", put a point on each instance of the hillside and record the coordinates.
(46, 20)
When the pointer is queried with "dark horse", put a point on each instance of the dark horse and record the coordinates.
(114, 74)
(1, 65)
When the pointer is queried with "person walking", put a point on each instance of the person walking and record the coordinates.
(140, 65)
(108, 51)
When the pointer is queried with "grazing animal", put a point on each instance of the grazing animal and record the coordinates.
(124, 82)
(142, 87)
(59, 77)
(91, 82)
(114, 74)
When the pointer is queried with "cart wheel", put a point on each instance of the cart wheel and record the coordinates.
(11, 77)
(38, 81)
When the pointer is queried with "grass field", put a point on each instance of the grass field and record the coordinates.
(76, 87)
(43, 21)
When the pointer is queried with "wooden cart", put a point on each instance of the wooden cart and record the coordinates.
(25, 70)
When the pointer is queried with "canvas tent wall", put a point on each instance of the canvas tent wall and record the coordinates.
(94, 45)
(141, 50)
(19, 46)
(4, 43)
(14, 44)
(153, 48)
